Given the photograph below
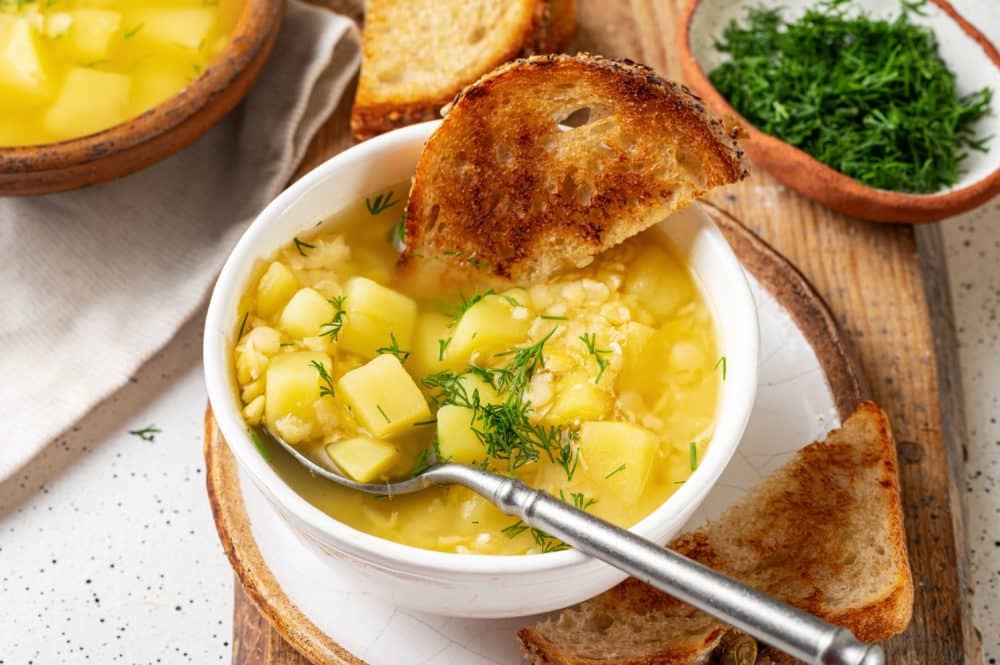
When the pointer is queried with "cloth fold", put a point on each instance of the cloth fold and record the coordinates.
(94, 282)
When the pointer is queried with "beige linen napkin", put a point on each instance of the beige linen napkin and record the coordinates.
(93, 282)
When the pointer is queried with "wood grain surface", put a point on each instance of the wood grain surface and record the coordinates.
(887, 289)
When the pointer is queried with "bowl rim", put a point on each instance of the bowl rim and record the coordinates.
(250, 34)
(790, 164)
(737, 395)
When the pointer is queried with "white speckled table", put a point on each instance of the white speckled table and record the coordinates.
(108, 553)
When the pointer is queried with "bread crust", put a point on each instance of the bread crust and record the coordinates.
(370, 118)
(632, 187)
(782, 539)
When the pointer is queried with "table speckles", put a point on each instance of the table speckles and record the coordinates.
(108, 553)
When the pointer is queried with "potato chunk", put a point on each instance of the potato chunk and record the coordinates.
(383, 397)
(659, 282)
(490, 326)
(181, 27)
(617, 456)
(579, 401)
(275, 287)
(363, 459)
(91, 32)
(88, 102)
(456, 440)
(23, 76)
(373, 312)
(292, 388)
(427, 358)
(305, 314)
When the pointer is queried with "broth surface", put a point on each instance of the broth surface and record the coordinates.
(599, 386)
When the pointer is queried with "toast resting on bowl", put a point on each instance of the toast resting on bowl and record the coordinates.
(823, 533)
(418, 54)
(549, 160)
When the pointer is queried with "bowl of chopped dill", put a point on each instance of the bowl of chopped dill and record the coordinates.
(881, 110)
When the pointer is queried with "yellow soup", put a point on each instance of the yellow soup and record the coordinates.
(599, 387)
(74, 67)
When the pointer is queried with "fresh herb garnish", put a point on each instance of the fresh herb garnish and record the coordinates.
(544, 541)
(590, 341)
(442, 347)
(324, 377)
(424, 462)
(382, 411)
(243, 325)
(259, 444)
(580, 500)
(693, 450)
(397, 232)
(620, 468)
(147, 434)
(721, 362)
(382, 202)
(466, 303)
(129, 34)
(332, 327)
(870, 98)
(549, 317)
(393, 349)
(300, 244)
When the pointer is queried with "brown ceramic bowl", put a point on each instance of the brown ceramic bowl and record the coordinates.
(967, 52)
(160, 131)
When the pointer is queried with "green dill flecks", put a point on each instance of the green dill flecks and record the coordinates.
(721, 362)
(382, 411)
(198, 69)
(301, 246)
(147, 433)
(452, 252)
(97, 63)
(380, 497)
(393, 349)
(614, 471)
(465, 304)
(380, 203)
(259, 445)
(693, 454)
(442, 347)
(511, 300)
(870, 98)
(423, 423)
(545, 542)
(424, 462)
(332, 327)
(590, 341)
(397, 233)
(325, 379)
(581, 501)
(243, 325)
(132, 32)
(514, 377)
(550, 317)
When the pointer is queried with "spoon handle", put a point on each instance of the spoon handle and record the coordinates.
(774, 622)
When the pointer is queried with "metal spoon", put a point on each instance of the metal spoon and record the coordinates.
(774, 622)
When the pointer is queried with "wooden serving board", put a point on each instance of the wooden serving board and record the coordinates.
(887, 289)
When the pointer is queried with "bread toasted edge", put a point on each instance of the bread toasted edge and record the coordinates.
(371, 119)
(876, 621)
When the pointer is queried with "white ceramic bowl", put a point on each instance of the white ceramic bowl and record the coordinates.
(465, 584)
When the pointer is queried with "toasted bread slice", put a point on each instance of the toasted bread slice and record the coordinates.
(824, 533)
(419, 53)
(549, 160)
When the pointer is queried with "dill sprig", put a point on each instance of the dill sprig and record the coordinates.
(301, 246)
(324, 377)
(693, 454)
(393, 349)
(332, 327)
(397, 233)
(621, 467)
(424, 462)
(259, 444)
(870, 98)
(580, 500)
(147, 433)
(381, 203)
(544, 541)
(590, 341)
(721, 362)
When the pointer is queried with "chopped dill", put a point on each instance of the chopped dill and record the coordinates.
(722, 362)
(580, 500)
(442, 347)
(549, 317)
(243, 325)
(129, 34)
(620, 468)
(147, 433)
(332, 327)
(466, 303)
(300, 245)
(511, 300)
(324, 377)
(381, 203)
(259, 444)
(590, 341)
(423, 463)
(382, 411)
(693, 450)
(397, 233)
(393, 349)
